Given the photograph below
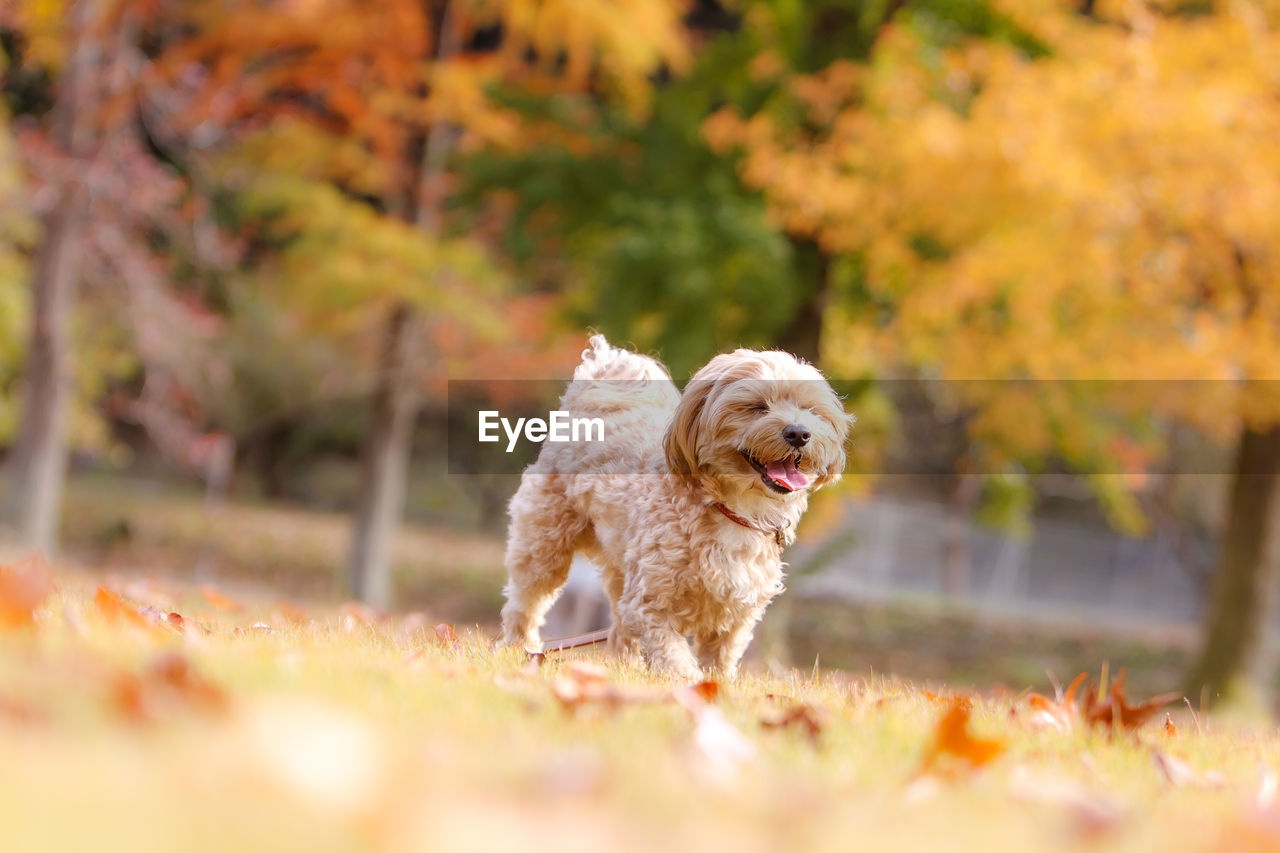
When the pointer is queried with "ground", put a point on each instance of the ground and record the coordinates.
(259, 726)
(187, 681)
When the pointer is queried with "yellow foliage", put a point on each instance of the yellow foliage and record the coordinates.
(1108, 212)
(43, 24)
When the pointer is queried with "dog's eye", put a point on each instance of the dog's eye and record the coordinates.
(760, 408)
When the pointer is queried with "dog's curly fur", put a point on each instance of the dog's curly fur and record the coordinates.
(641, 503)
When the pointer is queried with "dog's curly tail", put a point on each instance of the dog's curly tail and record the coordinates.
(601, 360)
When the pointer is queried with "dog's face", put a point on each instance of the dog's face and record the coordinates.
(759, 424)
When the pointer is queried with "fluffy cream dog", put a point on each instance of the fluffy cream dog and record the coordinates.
(686, 504)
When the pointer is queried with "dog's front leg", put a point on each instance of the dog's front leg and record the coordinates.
(664, 649)
(724, 651)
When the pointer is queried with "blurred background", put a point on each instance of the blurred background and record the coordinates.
(245, 245)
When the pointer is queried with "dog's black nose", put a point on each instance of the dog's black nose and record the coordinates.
(795, 435)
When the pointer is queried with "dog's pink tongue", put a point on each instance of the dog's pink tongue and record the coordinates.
(785, 473)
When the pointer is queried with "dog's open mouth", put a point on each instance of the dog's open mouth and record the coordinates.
(780, 475)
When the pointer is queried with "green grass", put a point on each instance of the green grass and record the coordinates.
(334, 734)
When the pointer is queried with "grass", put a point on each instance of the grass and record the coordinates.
(133, 528)
(327, 729)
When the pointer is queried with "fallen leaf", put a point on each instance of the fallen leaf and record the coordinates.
(953, 741)
(1115, 709)
(445, 635)
(166, 685)
(175, 671)
(23, 588)
(580, 683)
(802, 715)
(1058, 713)
(1104, 708)
(708, 690)
(585, 673)
(116, 609)
(161, 618)
(966, 701)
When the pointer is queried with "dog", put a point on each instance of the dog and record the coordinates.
(686, 503)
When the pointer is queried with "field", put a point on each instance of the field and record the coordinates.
(186, 680)
(265, 725)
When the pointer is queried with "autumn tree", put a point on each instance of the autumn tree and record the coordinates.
(105, 205)
(652, 233)
(377, 101)
(1096, 213)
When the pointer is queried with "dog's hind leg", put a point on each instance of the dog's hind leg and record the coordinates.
(544, 533)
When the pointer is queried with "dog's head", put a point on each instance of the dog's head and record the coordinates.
(758, 425)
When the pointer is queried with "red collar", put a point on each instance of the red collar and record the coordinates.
(776, 533)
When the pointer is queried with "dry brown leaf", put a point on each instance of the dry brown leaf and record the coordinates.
(175, 671)
(707, 690)
(166, 684)
(1058, 713)
(23, 588)
(1115, 710)
(445, 635)
(806, 717)
(160, 618)
(952, 741)
(966, 701)
(117, 610)
(580, 683)
(1112, 711)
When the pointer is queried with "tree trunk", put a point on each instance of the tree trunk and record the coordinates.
(38, 461)
(380, 504)
(803, 335)
(37, 464)
(1234, 660)
(385, 463)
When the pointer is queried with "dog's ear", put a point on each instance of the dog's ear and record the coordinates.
(680, 443)
(832, 474)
